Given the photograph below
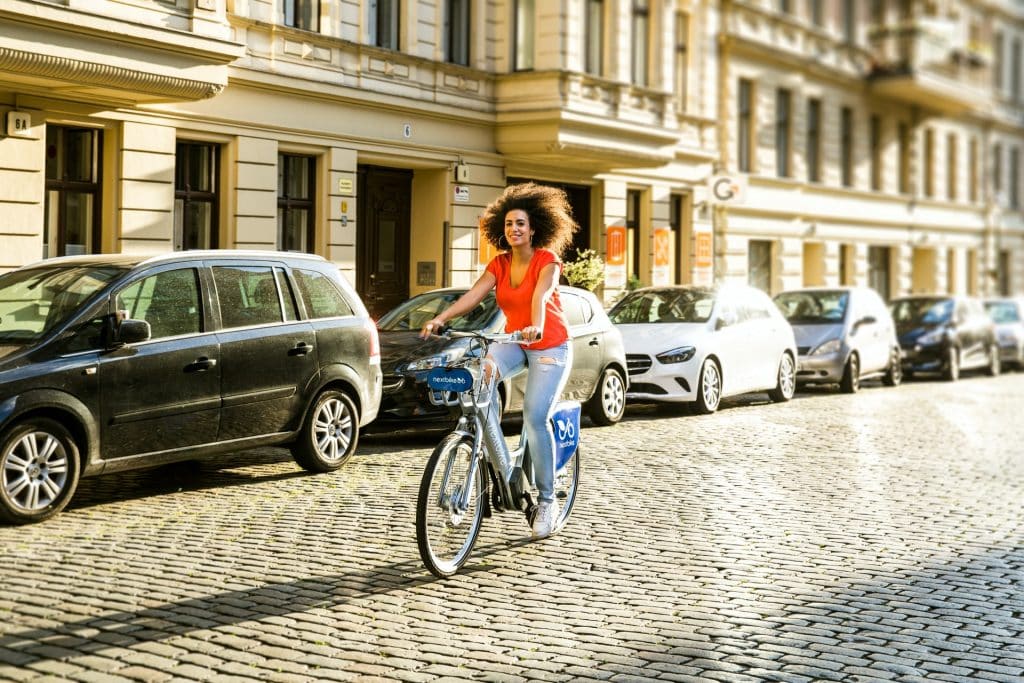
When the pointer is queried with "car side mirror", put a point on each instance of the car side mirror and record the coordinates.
(726, 319)
(120, 331)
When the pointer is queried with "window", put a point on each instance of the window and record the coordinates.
(998, 59)
(577, 310)
(522, 59)
(248, 295)
(593, 38)
(997, 168)
(1003, 273)
(196, 200)
(972, 170)
(303, 14)
(457, 28)
(903, 133)
(951, 166)
(783, 100)
(850, 21)
(928, 163)
(759, 264)
(875, 140)
(1014, 180)
(640, 36)
(168, 301)
(816, 12)
(681, 234)
(634, 200)
(1015, 57)
(846, 146)
(847, 264)
(296, 203)
(745, 121)
(878, 12)
(814, 140)
(682, 58)
(323, 300)
(384, 24)
(878, 270)
(73, 191)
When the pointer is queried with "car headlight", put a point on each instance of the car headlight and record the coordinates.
(680, 355)
(438, 360)
(1008, 338)
(831, 346)
(932, 338)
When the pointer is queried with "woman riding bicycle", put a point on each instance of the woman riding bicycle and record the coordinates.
(531, 224)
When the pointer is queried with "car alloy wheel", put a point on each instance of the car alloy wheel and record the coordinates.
(329, 434)
(608, 403)
(709, 390)
(786, 386)
(38, 470)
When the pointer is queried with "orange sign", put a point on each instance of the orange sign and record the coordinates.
(702, 251)
(615, 250)
(662, 247)
(486, 250)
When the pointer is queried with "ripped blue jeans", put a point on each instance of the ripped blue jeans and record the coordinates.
(547, 372)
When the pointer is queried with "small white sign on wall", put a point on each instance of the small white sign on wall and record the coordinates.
(19, 125)
(461, 194)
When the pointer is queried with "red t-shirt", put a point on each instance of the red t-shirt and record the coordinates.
(517, 302)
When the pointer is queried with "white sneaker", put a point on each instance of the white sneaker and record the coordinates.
(544, 522)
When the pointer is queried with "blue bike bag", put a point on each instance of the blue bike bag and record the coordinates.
(565, 422)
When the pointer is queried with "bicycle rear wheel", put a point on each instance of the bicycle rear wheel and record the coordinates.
(566, 481)
(450, 507)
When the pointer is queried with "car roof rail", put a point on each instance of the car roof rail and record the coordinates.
(233, 253)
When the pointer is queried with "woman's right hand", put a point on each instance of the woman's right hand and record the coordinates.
(432, 326)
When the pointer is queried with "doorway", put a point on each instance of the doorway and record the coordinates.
(579, 200)
(382, 237)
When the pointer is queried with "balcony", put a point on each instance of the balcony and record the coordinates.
(154, 53)
(923, 63)
(576, 120)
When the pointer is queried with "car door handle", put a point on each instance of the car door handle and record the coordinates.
(595, 342)
(201, 364)
(301, 349)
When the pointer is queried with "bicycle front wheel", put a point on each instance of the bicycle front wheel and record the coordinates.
(450, 507)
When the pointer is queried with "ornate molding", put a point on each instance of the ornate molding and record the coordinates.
(106, 76)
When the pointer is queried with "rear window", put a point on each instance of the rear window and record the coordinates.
(322, 296)
(248, 295)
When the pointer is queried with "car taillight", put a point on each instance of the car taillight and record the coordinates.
(371, 333)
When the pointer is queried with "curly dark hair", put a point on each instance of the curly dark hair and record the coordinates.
(549, 211)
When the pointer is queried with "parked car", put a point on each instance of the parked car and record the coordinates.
(118, 362)
(598, 376)
(701, 344)
(945, 334)
(1008, 315)
(843, 335)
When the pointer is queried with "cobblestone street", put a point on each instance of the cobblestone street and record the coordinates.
(872, 537)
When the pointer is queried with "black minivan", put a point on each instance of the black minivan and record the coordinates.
(114, 362)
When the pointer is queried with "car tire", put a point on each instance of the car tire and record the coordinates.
(709, 388)
(39, 470)
(608, 403)
(850, 382)
(786, 384)
(893, 376)
(329, 434)
(995, 365)
(951, 373)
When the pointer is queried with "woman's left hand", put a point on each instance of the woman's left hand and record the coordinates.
(532, 333)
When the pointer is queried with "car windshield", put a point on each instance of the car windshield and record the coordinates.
(413, 314)
(34, 301)
(1002, 311)
(923, 311)
(813, 307)
(690, 305)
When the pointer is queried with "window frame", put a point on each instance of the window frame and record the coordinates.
(524, 19)
(187, 196)
(745, 117)
(640, 43)
(593, 37)
(783, 132)
(846, 124)
(813, 130)
(389, 13)
(286, 204)
(63, 187)
(293, 11)
(458, 18)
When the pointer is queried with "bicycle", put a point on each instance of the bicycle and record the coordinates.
(472, 472)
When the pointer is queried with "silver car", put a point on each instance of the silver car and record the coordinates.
(1008, 315)
(843, 335)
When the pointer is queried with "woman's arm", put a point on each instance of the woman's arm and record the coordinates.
(463, 304)
(547, 280)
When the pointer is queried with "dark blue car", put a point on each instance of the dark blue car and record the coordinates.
(945, 334)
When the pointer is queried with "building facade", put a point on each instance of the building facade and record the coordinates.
(873, 142)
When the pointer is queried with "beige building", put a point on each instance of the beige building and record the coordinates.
(871, 142)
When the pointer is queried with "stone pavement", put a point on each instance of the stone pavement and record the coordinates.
(874, 537)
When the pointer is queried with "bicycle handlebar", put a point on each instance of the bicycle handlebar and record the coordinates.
(493, 337)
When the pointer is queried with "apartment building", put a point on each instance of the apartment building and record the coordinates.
(875, 142)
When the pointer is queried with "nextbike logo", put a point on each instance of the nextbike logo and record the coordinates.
(566, 432)
(449, 380)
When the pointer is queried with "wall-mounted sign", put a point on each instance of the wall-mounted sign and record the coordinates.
(661, 273)
(727, 189)
(344, 186)
(462, 194)
(19, 125)
(615, 256)
(702, 252)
